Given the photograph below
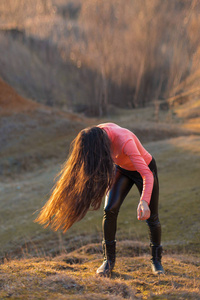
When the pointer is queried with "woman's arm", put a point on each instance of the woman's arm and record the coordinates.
(141, 167)
(130, 149)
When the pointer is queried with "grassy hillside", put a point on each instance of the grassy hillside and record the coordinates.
(40, 264)
(31, 133)
(178, 160)
(35, 141)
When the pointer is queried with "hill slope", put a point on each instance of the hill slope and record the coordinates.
(31, 133)
(34, 141)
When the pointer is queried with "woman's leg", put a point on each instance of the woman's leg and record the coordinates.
(154, 226)
(113, 202)
(154, 223)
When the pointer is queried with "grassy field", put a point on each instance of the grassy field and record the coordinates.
(178, 161)
(41, 264)
(175, 147)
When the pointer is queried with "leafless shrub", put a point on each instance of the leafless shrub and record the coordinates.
(94, 54)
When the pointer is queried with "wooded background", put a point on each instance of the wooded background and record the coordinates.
(92, 56)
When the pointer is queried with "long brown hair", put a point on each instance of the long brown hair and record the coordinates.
(84, 179)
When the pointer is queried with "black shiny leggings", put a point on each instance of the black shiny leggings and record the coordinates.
(124, 180)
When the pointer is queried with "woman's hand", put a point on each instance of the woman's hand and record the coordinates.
(143, 211)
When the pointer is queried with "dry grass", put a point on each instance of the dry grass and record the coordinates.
(190, 113)
(72, 276)
(91, 59)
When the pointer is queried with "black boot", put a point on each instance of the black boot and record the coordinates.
(156, 252)
(109, 259)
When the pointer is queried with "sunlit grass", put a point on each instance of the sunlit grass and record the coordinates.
(179, 205)
(72, 276)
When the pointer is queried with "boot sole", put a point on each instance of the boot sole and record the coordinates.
(158, 272)
(104, 274)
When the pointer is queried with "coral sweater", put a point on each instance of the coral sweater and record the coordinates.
(129, 154)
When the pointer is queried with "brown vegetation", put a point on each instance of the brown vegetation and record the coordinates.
(88, 56)
(72, 276)
(11, 102)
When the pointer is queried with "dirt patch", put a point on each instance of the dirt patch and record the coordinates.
(11, 102)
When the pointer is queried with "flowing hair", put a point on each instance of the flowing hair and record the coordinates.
(84, 179)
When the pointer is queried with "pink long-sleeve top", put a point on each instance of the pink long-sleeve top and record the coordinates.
(129, 154)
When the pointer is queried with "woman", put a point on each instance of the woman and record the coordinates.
(106, 159)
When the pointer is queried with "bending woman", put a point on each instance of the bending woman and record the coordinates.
(106, 159)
